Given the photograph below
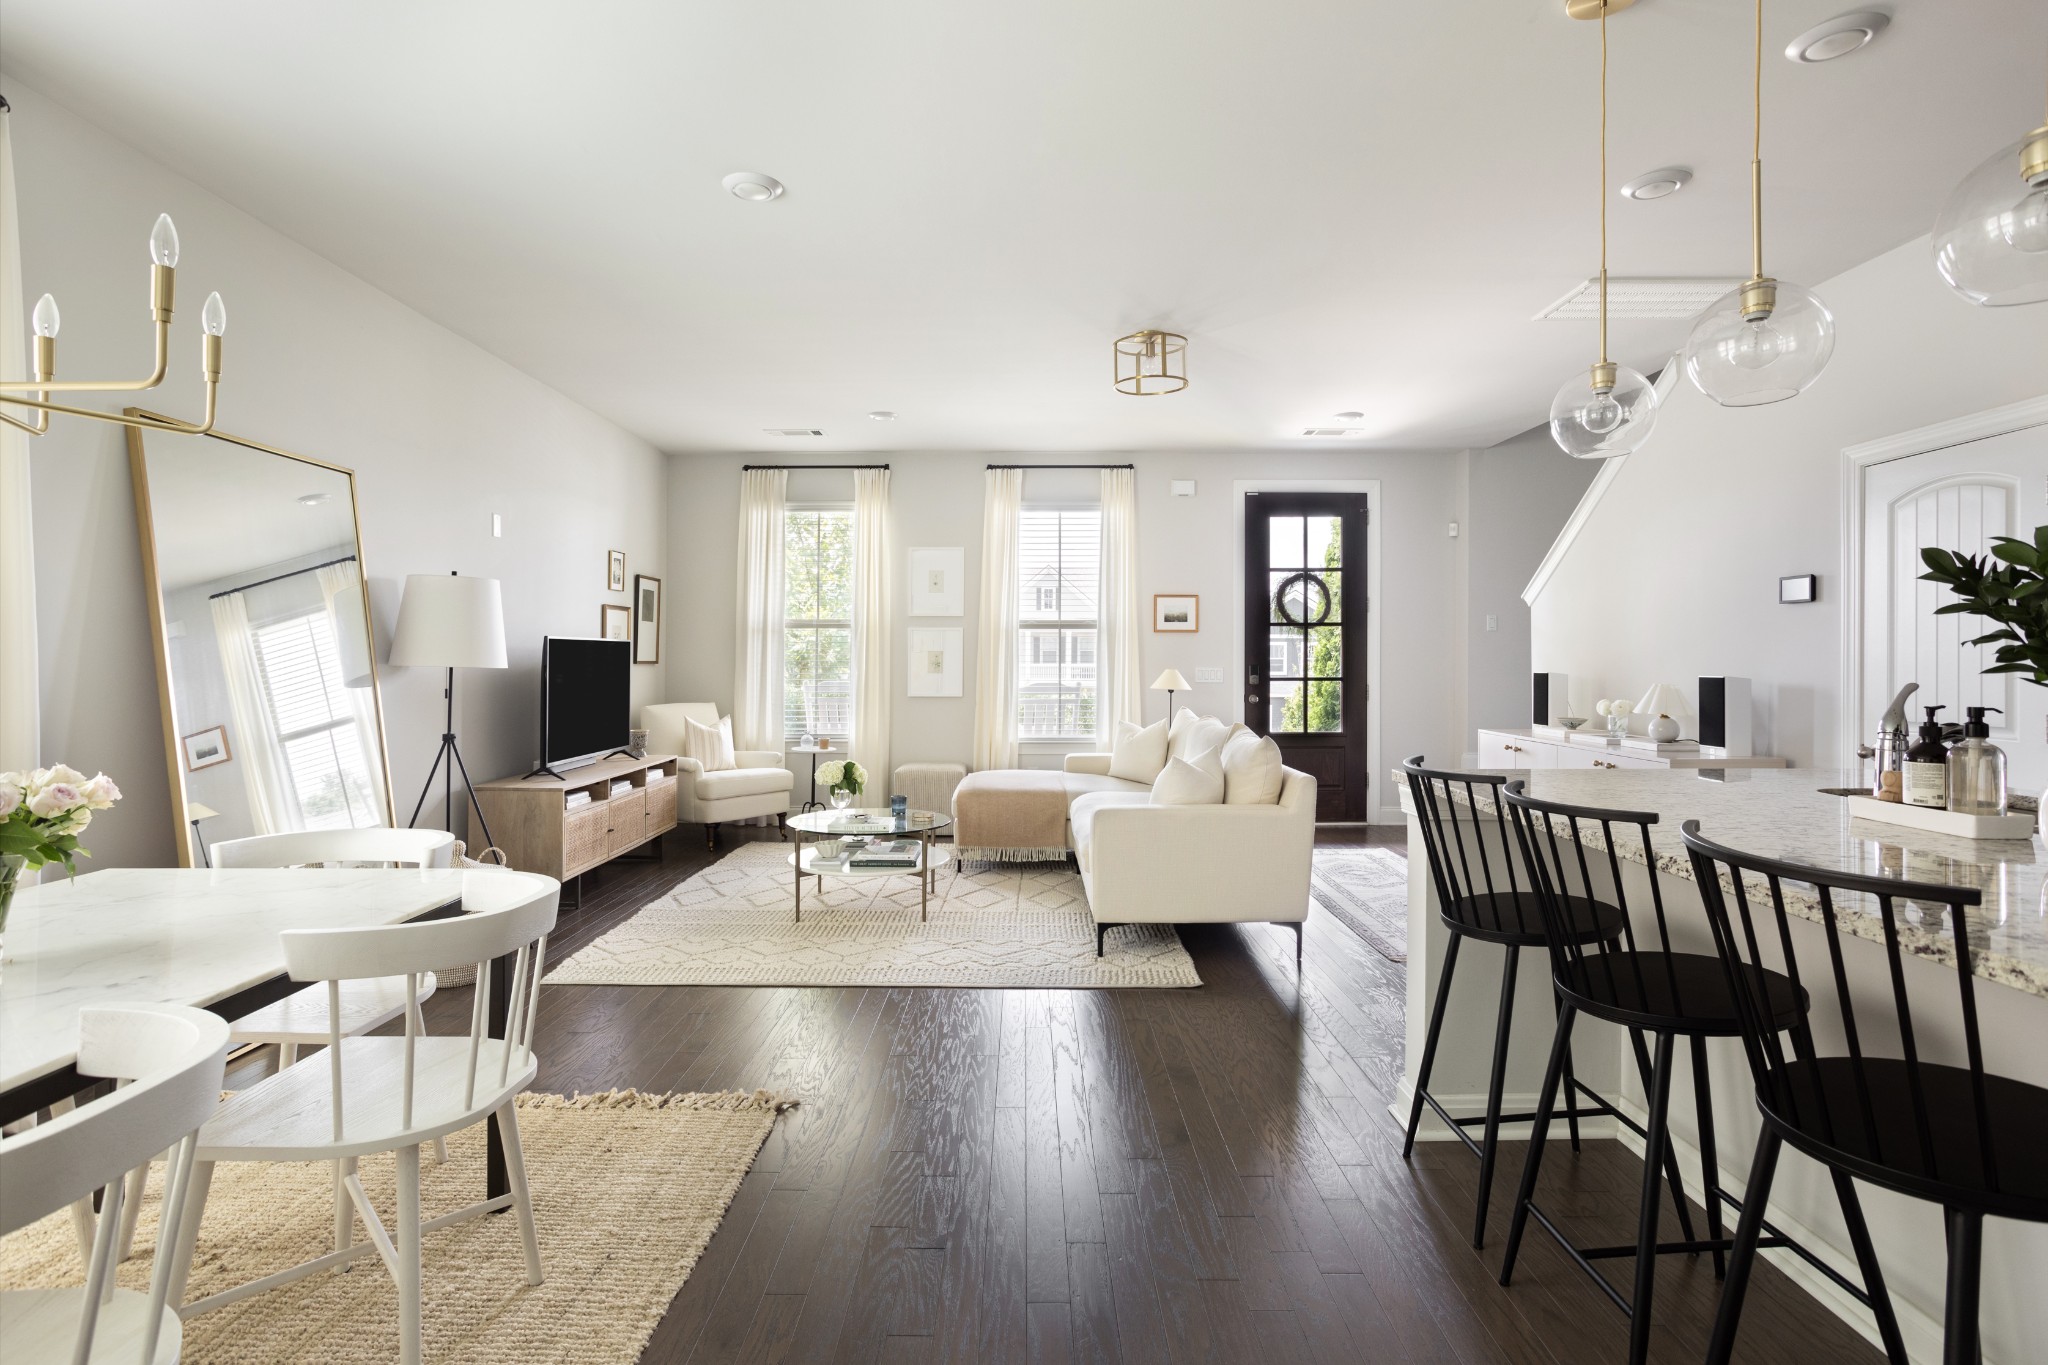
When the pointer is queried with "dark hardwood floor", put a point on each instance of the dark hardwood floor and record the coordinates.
(1162, 1176)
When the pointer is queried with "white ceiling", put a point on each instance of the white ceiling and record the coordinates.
(1343, 205)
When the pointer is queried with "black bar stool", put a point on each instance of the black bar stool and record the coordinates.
(1490, 910)
(1952, 1134)
(1642, 988)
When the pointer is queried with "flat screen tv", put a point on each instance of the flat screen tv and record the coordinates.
(586, 707)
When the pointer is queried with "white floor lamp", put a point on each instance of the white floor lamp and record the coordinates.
(1170, 682)
(448, 621)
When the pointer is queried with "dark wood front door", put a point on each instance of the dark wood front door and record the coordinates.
(1304, 664)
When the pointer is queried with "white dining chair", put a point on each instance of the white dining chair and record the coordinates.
(391, 1094)
(171, 1059)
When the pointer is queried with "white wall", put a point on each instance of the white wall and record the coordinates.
(1185, 545)
(1676, 572)
(440, 434)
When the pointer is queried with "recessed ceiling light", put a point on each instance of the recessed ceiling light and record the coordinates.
(753, 186)
(313, 499)
(880, 416)
(1658, 184)
(1838, 37)
(1349, 416)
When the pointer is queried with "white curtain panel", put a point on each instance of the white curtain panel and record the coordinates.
(1120, 626)
(995, 661)
(251, 739)
(874, 549)
(20, 717)
(341, 588)
(757, 679)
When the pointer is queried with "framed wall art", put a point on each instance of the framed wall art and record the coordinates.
(936, 582)
(1176, 612)
(646, 619)
(206, 748)
(935, 655)
(614, 622)
(615, 570)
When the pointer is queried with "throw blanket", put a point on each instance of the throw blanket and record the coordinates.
(1011, 814)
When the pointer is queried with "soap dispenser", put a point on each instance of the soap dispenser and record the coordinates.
(1926, 766)
(1976, 769)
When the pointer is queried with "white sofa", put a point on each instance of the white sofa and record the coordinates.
(1147, 864)
(759, 786)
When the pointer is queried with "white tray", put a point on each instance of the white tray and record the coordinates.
(1941, 821)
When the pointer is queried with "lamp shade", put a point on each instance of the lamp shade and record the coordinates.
(448, 621)
(1661, 700)
(196, 811)
(1170, 681)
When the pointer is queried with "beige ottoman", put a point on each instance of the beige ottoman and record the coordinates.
(1011, 815)
(928, 786)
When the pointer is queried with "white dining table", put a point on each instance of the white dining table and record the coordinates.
(190, 936)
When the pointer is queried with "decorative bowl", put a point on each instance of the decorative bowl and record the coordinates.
(1571, 722)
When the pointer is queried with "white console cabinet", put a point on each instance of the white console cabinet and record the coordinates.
(1528, 749)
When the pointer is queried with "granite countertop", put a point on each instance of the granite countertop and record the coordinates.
(1783, 813)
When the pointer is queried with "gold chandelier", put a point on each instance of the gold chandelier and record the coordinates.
(1150, 363)
(163, 279)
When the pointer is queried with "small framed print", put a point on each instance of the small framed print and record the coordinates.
(646, 619)
(615, 570)
(1799, 587)
(1172, 612)
(206, 748)
(935, 655)
(614, 622)
(935, 581)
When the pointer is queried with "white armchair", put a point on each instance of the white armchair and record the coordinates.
(760, 785)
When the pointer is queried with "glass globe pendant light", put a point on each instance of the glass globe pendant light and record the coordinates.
(1612, 409)
(1991, 241)
(1765, 340)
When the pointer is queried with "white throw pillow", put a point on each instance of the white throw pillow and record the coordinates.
(1140, 752)
(1191, 734)
(710, 745)
(1251, 770)
(1196, 781)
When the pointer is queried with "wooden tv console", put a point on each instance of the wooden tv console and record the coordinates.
(534, 824)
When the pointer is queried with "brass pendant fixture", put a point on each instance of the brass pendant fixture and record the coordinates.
(1991, 241)
(34, 393)
(1150, 363)
(1612, 410)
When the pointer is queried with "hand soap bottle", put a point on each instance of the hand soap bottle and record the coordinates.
(1976, 769)
(1926, 766)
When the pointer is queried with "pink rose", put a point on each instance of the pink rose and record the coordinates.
(54, 799)
(100, 793)
(10, 797)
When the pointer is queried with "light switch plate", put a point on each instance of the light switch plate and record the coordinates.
(1208, 675)
(497, 524)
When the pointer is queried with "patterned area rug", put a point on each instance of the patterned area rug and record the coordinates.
(627, 1190)
(1367, 889)
(1002, 925)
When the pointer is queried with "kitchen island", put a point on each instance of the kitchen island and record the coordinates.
(1785, 814)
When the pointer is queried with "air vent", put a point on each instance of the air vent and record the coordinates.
(1332, 431)
(793, 431)
(1642, 297)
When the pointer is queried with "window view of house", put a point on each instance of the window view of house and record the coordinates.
(817, 661)
(1061, 552)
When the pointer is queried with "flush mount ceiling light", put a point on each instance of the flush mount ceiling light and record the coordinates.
(1765, 340)
(1613, 409)
(1658, 184)
(879, 416)
(1838, 37)
(1150, 363)
(1348, 416)
(752, 186)
(1991, 241)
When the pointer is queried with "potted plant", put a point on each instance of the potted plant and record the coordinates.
(42, 813)
(843, 780)
(2009, 589)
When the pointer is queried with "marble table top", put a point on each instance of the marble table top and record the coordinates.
(190, 937)
(1783, 813)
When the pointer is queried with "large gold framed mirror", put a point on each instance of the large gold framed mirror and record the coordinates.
(252, 557)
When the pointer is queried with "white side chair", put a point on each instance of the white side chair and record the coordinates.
(760, 785)
(172, 1059)
(392, 1094)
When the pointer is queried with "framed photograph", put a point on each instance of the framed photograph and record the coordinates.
(206, 748)
(1799, 587)
(935, 655)
(646, 619)
(1176, 612)
(615, 570)
(937, 586)
(614, 622)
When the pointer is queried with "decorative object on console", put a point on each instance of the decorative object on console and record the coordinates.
(1991, 240)
(163, 279)
(935, 661)
(614, 622)
(1614, 409)
(1799, 587)
(615, 570)
(1571, 722)
(938, 578)
(1149, 363)
(1616, 711)
(449, 622)
(1724, 709)
(1176, 613)
(1170, 682)
(1663, 704)
(1765, 340)
(636, 744)
(646, 619)
(206, 748)
(1550, 698)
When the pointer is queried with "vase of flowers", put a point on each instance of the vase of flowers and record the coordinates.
(42, 813)
(843, 779)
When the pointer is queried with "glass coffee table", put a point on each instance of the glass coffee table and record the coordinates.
(821, 826)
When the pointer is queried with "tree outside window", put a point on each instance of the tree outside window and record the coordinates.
(817, 659)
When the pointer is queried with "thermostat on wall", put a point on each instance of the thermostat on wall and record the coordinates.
(1183, 488)
(1799, 587)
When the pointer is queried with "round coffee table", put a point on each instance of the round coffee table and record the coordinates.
(870, 823)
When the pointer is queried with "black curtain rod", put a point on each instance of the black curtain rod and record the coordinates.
(1062, 466)
(279, 578)
(745, 467)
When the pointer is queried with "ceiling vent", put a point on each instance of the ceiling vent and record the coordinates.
(1332, 431)
(793, 431)
(1639, 297)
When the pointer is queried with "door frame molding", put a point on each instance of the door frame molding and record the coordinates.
(1857, 460)
(1379, 811)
